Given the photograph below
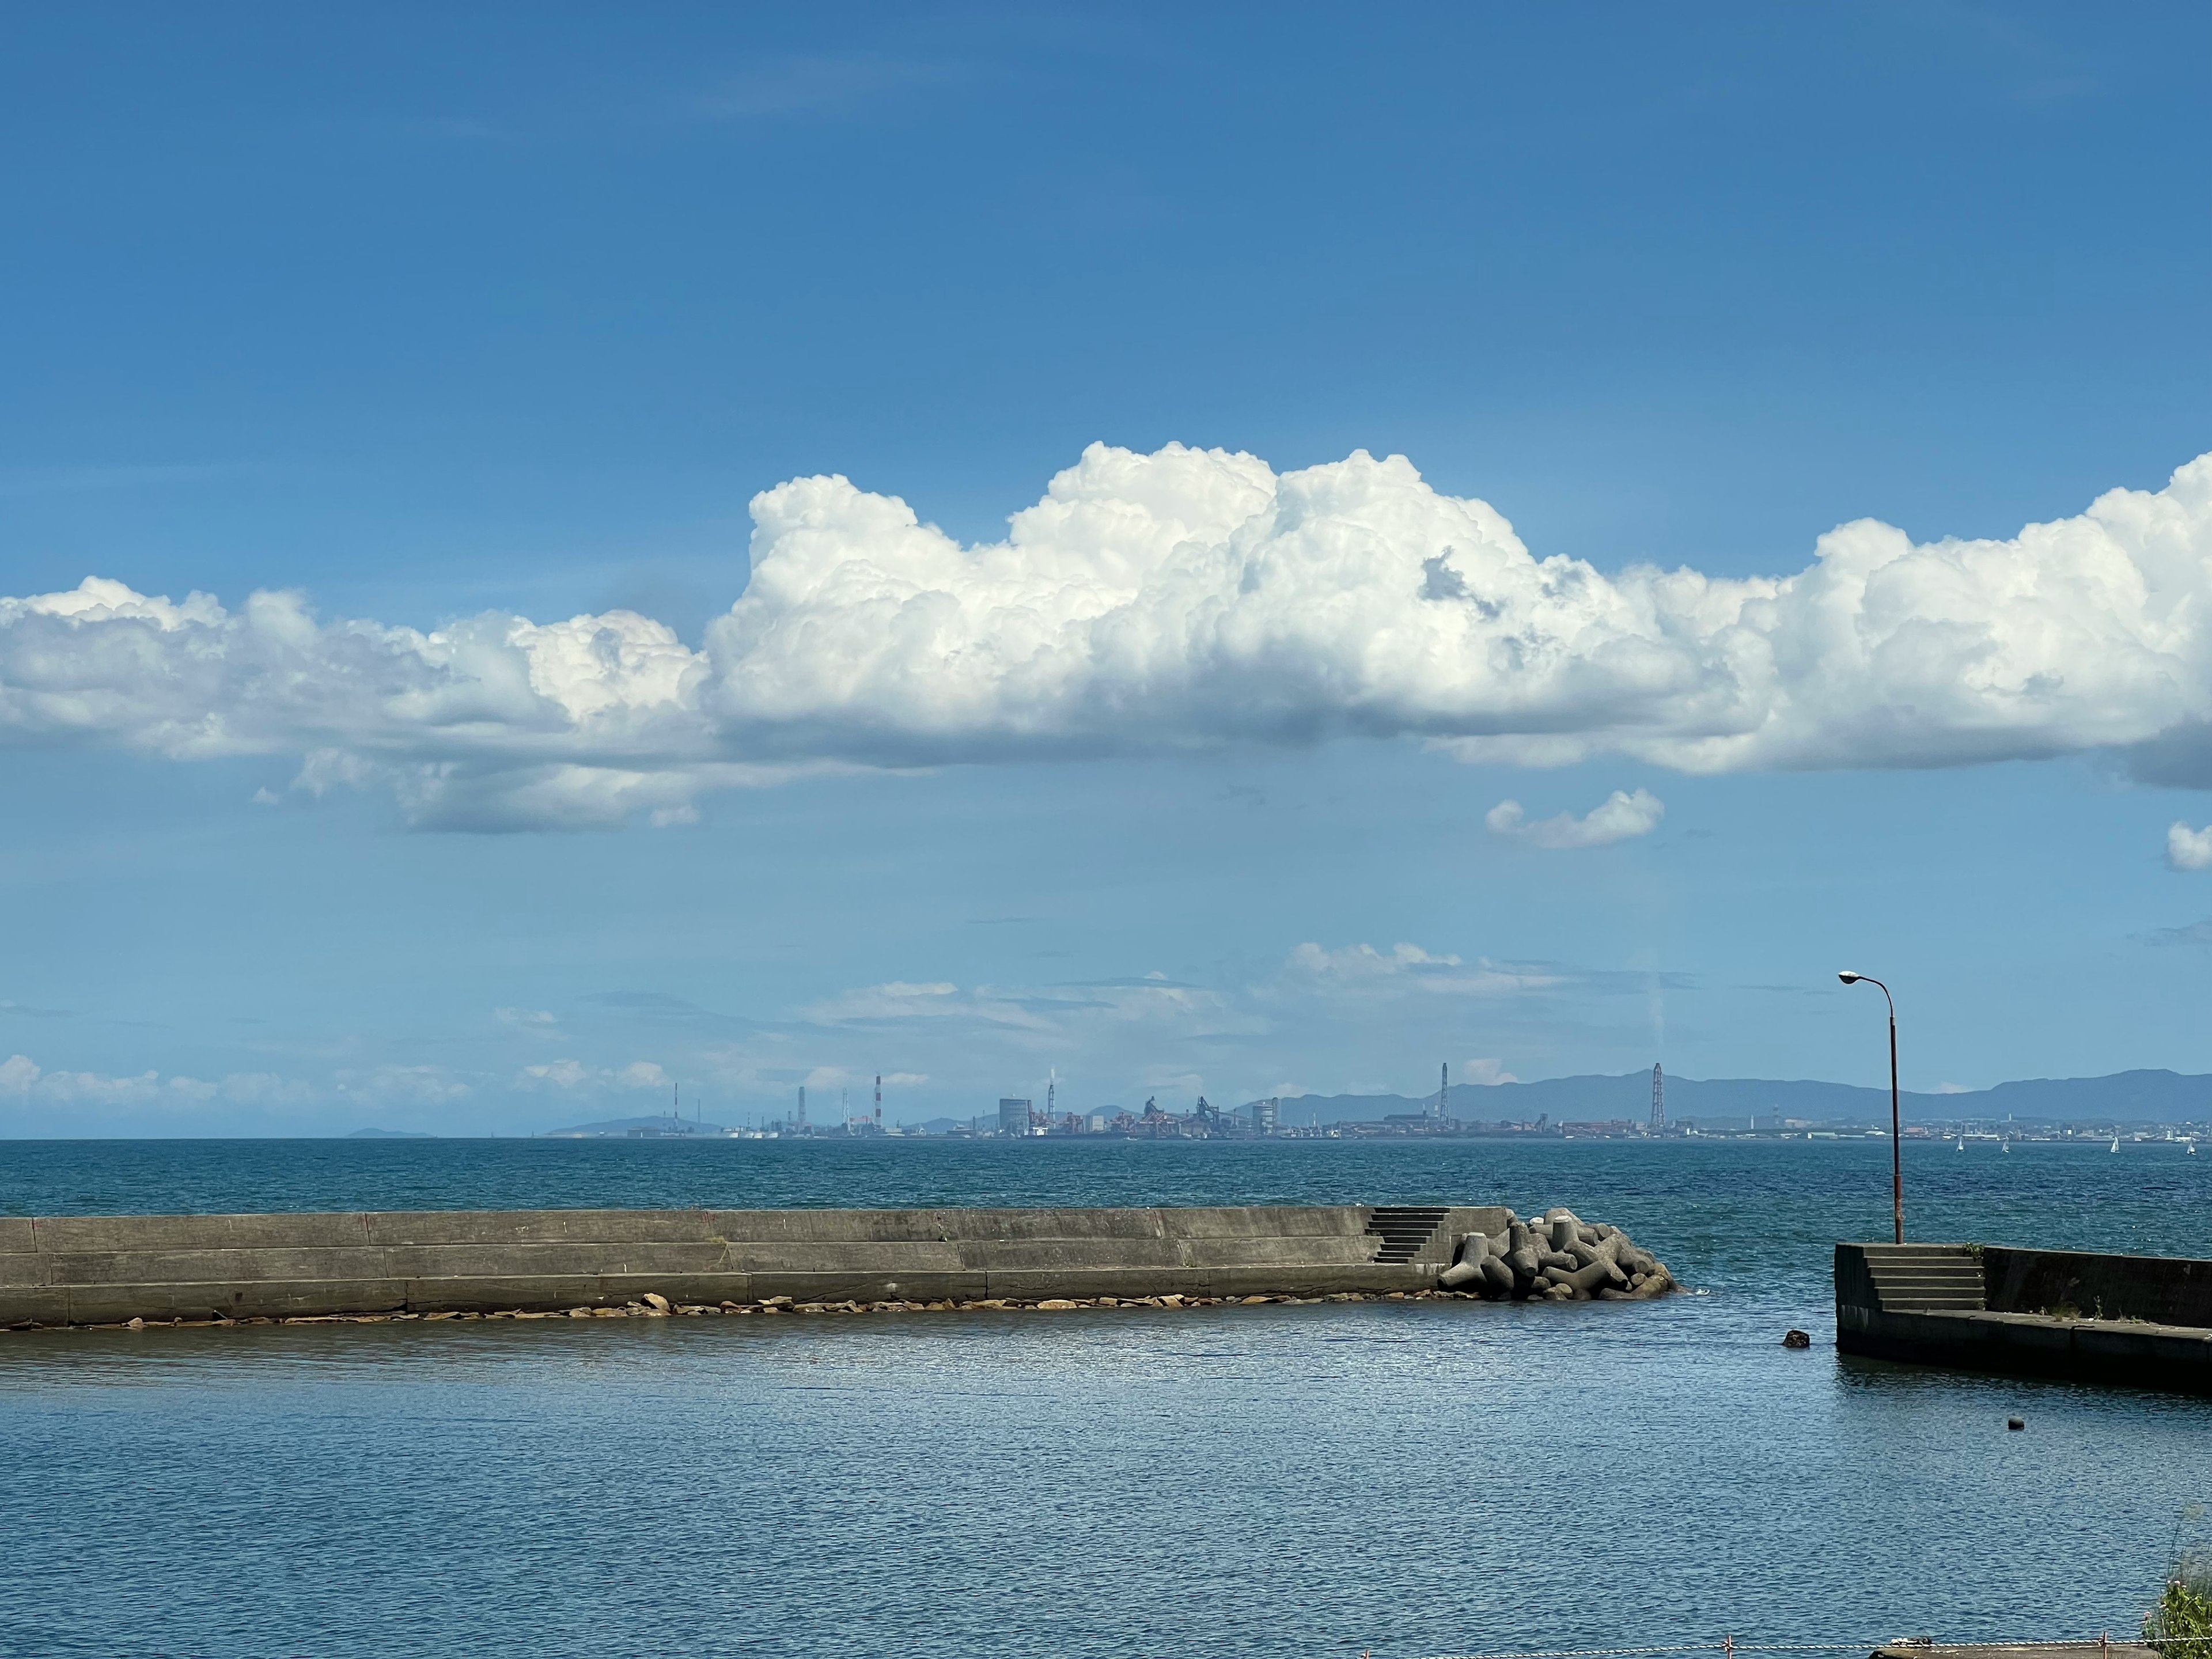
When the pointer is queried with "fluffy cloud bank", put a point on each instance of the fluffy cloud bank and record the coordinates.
(2187, 848)
(1621, 816)
(23, 1081)
(572, 1076)
(1182, 599)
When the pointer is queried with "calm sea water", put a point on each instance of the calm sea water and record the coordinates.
(1404, 1478)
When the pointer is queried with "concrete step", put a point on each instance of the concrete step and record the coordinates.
(1927, 1293)
(1926, 1277)
(1923, 1293)
(1891, 1292)
(1404, 1228)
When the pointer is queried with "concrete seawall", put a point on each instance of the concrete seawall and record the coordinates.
(80, 1270)
(2143, 1321)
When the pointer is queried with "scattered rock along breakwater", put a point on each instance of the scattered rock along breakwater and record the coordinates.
(433, 1265)
(1561, 1258)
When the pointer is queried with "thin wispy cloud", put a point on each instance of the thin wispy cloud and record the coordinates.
(16, 481)
(815, 84)
(453, 129)
(659, 1008)
(1231, 1036)
(1365, 971)
(538, 1022)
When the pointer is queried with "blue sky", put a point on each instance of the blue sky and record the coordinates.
(454, 328)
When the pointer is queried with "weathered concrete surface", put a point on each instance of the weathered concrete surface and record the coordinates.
(2081, 1284)
(106, 1269)
(2004, 1336)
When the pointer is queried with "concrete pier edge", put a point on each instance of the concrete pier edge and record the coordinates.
(103, 1270)
(2084, 1315)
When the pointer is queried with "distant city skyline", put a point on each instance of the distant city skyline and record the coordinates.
(2153, 1103)
(536, 566)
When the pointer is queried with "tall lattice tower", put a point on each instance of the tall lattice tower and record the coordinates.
(1658, 1101)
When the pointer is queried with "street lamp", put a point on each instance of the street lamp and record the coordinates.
(1896, 1142)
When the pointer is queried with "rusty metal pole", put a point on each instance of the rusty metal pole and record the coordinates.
(1896, 1133)
(1896, 1126)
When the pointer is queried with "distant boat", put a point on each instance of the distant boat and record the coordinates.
(2116, 1143)
(2004, 1145)
(1962, 1143)
(2193, 1149)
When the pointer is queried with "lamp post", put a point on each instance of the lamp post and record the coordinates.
(1896, 1139)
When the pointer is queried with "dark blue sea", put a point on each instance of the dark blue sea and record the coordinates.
(1401, 1480)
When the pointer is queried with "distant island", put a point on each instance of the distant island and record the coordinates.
(390, 1134)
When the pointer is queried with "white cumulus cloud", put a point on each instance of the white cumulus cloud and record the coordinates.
(2189, 850)
(1183, 598)
(1486, 1071)
(1619, 817)
(22, 1080)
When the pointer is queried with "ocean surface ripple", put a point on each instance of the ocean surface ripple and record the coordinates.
(1413, 1479)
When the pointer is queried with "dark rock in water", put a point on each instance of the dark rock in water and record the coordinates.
(1796, 1339)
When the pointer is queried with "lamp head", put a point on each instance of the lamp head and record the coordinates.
(1848, 977)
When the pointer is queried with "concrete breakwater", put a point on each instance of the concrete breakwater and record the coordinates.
(87, 1270)
(2141, 1320)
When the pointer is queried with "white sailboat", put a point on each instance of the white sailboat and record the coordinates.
(2116, 1143)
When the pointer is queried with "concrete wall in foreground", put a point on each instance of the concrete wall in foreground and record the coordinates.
(2031, 1326)
(2080, 1284)
(60, 1270)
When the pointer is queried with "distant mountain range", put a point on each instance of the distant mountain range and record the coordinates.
(1717, 1102)
(2123, 1098)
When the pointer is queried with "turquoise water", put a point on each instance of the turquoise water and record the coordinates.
(1404, 1478)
